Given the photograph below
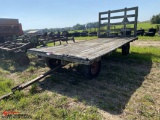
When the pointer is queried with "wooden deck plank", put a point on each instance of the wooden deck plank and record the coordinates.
(106, 47)
(79, 46)
(83, 52)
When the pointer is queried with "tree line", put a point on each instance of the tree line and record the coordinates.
(75, 27)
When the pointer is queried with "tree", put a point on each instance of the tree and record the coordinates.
(79, 27)
(155, 19)
(92, 25)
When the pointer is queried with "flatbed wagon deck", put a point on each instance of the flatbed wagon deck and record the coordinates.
(84, 52)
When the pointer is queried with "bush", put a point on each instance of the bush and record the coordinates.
(155, 19)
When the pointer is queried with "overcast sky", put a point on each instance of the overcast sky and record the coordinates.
(39, 14)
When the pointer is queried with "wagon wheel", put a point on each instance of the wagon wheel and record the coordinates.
(52, 63)
(22, 59)
(125, 49)
(92, 71)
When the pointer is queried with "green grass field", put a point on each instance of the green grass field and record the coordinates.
(155, 38)
(143, 25)
(146, 25)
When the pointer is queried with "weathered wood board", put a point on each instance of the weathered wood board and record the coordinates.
(84, 52)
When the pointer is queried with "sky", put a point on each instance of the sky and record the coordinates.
(40, 14)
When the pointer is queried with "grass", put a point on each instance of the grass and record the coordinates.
(43, 106)
(146, 53)
(5, 85)
(127, 88)
(155, 38)
(146, 25)
(141, 54)
(38, 103)
(86, 38)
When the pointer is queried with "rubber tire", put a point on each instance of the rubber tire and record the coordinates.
(90, 71)
(52, 63)
(125, 49)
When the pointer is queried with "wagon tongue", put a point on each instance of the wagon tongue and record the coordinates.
(24, 85)
(6, 96)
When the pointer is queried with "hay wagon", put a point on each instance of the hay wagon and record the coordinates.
(88, 54)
